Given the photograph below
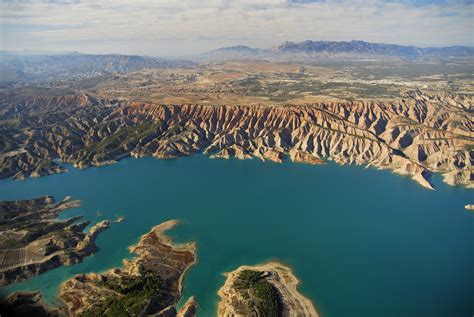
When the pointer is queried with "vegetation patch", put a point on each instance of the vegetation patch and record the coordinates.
(123, 136)
(134, 294)
(260, 294)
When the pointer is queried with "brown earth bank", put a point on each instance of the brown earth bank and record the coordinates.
(417, 135)
(263, 290)
(33, 240)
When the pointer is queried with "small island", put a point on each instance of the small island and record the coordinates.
(263, 290)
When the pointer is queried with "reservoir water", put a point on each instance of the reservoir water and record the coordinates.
(363, 242)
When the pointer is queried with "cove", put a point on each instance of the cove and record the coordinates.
(363, 242)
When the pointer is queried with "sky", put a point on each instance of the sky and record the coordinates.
(187, 27)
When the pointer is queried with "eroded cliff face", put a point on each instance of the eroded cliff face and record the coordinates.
(417, 136)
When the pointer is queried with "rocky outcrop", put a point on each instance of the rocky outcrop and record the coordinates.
(189, 309)
(415, 136)
(87, 246)
(303, 157)
(263, 290)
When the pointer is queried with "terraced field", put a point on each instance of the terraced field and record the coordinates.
(33, 241)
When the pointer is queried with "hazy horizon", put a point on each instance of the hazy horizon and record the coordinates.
(185, 28)
(27, 51)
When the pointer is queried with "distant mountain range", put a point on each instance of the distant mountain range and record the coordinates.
(234, 52)
(18, 68)
(23, 67)
(341, 50)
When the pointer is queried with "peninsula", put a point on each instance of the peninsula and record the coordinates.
(33, 241)
(149, 284)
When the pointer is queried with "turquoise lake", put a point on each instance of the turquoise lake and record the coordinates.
(363, 242)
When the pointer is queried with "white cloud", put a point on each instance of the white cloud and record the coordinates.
(175, 27)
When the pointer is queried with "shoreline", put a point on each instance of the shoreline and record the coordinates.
(422, 180)
(425, 181)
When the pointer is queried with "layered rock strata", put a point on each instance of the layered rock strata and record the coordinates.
(415, 136)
